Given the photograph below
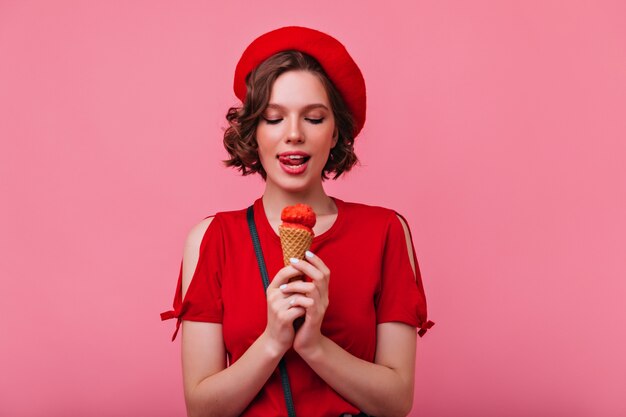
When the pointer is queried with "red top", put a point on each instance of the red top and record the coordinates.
(365, 245)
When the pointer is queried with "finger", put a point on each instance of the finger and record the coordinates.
(297, 287)
(307, 269)
(280, 302)
(283, 276)
(316, 261)
(289, 315)
(300, 301)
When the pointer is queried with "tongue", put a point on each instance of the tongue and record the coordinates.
(289, 161)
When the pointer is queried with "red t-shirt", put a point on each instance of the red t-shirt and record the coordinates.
(371, 282)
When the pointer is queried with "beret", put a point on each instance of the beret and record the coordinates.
(328, 51)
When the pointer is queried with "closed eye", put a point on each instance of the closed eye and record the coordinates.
(272, 121)
(315, 121)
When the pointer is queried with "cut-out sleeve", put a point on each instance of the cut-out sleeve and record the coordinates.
(401, 296)
(203, 299)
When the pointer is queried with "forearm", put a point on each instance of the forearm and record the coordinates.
(375, 389)
(228, 392)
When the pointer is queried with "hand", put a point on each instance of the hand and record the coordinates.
(283, 307)
(315, 301)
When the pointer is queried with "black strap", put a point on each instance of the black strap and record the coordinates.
(284, 377)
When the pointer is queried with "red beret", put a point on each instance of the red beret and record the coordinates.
(328, 51)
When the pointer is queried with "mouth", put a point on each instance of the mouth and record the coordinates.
(293, 162)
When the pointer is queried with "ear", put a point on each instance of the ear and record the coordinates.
(335, 137)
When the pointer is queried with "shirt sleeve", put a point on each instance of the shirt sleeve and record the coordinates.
(203, 299)
(401, 296)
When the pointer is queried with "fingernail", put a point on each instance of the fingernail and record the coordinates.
(282, 287)
(309, 254)
(294, 260)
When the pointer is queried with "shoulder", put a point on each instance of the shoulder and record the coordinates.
(214, 227)
(191, 251)
(389, 221)
(372, 213)
(205, 237)
(366, 209)
(219, 220)
(408, 240)
(197, 232)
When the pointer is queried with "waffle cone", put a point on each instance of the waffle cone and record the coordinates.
(294, 242)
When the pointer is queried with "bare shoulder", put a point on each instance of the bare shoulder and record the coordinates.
(194, 238)
(191, 252)
(409, 245)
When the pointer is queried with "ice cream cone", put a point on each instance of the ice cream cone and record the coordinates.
(294, 241)
(296, 236)
(296, 231)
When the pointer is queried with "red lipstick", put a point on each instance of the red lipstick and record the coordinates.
(293, 162)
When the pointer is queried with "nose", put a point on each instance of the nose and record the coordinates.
(294, 135)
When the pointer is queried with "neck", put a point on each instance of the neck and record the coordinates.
(276, 198)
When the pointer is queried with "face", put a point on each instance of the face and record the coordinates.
(296, 132)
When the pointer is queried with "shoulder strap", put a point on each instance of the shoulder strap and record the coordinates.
(266, 282)
(257, 248)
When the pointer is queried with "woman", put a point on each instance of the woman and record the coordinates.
(303, 104)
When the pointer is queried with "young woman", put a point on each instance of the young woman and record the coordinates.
(303, 104)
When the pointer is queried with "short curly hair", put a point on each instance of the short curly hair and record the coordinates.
(240, 136)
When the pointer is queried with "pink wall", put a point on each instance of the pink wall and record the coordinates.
(496, 127)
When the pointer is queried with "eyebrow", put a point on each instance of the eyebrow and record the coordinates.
(307, 107)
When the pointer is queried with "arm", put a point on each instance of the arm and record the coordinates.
(211, 388)
(383, 388)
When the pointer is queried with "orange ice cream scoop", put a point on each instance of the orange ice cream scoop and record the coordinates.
(296, 231)
(300, 214)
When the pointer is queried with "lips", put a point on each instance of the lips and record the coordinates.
(293, 162)
(293, 158)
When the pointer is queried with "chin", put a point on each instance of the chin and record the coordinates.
(295, 184)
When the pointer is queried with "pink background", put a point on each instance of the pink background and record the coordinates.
(497, 127)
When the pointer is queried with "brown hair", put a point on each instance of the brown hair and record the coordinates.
(239, 137)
